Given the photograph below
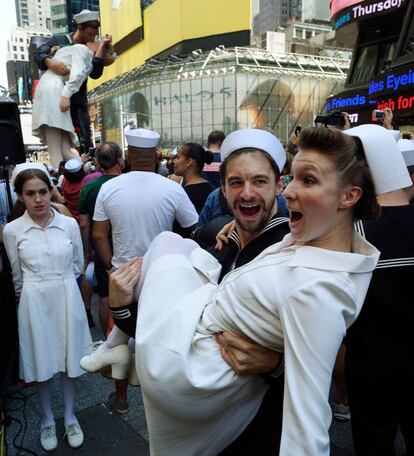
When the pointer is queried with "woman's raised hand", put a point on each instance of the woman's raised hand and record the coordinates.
(122, 283)
(223, 234)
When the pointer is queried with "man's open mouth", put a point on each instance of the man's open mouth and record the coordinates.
(249, 209)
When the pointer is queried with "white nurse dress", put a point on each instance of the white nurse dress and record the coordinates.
(53, 327)
(291, 298)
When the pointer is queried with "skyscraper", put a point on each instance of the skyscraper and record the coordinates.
(315, 9)
(62, 12)
(269, 15)
(34, 13)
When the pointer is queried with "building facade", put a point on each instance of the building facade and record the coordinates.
(34, 13)
(62, 12)
(185, 99)
(381, 73)
(315, 9)
(18, 45)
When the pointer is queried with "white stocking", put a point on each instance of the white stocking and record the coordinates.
(68, 387)
(44, 392)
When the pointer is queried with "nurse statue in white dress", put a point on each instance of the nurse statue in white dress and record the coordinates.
(51, 120)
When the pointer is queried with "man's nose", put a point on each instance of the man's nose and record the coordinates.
(248, 191)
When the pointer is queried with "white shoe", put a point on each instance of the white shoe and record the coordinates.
(74, 435)
(118, 357)
(48, 438)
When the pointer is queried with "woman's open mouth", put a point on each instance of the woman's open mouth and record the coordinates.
(249, 209)
(295, 216)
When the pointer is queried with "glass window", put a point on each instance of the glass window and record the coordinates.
(409, 42)
(386, 55)
(365, 64)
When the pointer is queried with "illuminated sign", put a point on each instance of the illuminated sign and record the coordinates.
(392, 82)
(344, 12)
(339, 103)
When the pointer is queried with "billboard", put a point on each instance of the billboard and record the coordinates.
(164, 25)
(120, 17)
(344, 12)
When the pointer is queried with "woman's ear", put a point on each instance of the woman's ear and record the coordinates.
(350, 197)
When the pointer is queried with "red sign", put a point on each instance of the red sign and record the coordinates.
(338, 5)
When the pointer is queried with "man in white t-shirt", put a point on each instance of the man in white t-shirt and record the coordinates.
(138, 205)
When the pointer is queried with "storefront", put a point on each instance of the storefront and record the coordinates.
(186, 98)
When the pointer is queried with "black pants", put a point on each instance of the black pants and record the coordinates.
(262, 436)
(379, 403)
(81, 122)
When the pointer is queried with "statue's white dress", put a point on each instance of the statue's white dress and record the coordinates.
(291, 298)
(46, 110)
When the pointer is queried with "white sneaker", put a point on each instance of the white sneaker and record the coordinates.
(48, 438)
(118, 357)
(74, 435)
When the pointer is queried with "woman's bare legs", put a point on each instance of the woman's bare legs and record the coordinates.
(59, 144)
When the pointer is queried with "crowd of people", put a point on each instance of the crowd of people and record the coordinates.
(236, 350)
(236, 281)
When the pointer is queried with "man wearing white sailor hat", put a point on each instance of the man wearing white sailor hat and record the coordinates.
(136, 206)
(87, 28)
(252, 161)
(379, 360)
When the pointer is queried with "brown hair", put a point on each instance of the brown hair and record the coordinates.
(347, 155)
(29, 174)
(247, 150)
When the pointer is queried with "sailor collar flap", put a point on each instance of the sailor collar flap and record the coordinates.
(364, 256)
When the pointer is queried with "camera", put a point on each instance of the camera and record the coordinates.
(378, 114)
(406, 136)
(336, 119)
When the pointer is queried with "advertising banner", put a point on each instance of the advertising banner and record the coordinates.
(344, 12)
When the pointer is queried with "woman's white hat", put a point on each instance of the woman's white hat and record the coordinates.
(256, 139)
(407, 149)
(385, 160)
(29, 165)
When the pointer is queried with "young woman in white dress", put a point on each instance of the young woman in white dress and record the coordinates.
(46, 256)
(51, 119)
(298, 296)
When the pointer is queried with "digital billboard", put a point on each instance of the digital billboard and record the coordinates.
(344, 12)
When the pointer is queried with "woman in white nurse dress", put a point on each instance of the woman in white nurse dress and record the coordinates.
(46, 256)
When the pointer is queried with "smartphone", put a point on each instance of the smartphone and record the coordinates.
(297, 130)
(91, 152)
(406, 136)
(378, 114)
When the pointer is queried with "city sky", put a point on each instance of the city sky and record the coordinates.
(7, 22)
